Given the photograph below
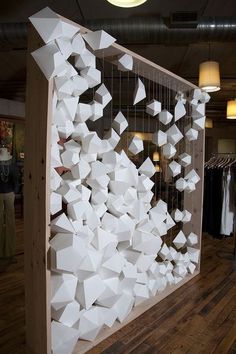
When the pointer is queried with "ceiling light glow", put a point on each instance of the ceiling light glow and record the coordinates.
(126, 3)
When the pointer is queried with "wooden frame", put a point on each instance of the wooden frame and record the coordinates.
(37, 192)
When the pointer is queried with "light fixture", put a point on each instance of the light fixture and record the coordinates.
(158, 168)
(126, 3)
(156, 156)
(231, 109)
(209, 123)
(209, 76)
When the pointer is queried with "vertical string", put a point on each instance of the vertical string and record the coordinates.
(112, 94)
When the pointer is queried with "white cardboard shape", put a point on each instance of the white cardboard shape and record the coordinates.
(66, 130)
(62, 224)
(191, 134)
(81, 170)
(181, 184)
(69, 193)
(164, 252)
(145, 197)
(64, 44)
(63, 287)
(142, 278)
(194, 254)
(192, 176)
(120, 123)
(111, 159)
(153, 107)
(54, 135)
(198, 111)
(175, 168)
(123, 306)
(92, 75)
(93, 221)
(159, 138)
(112, 137)
(114, 263)
(147, 168)
(64, 87)
(165, 117)
(205, 97)
(191, 268)
(111, 293)
(136, 145)
(91, 143)
(169, 222)
(99, 196)
(199, 123)
(144, 184)
(80, 131)
(141, 293)
(180, 110)
(103, 96)
(85, 59)
(80, 85)
(100, 209)
(118, 187)
(55, 203)
(83, 112)
(99, 39)
(55, 180)
(180, 270)
(102, 239)
(169, 151)
(79, 209)
(97, 111)
(88, 291)
(78, 44)
(146, 243)
(73, 146)
(177, 215)
(192, 239)
(97, 169)
(185, 159)
(67, 315)
(90, 324)
(63, 338)
(109, 222)
(186, 216)
(125, 62)
(174, 135)
(196, 94)
(108, 316)
(139, 92)
(55, 156)
(180, 240)
(69, 158)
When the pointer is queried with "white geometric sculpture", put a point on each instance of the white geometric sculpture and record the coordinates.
(199, 123)
(185, 159)
(147, 168)
(55, 203)
(175, 168)
(177, 215)
(191, 134)
(85, 59)
(153, 107)
(112, 137)
(63, 338)
(165, 117)
(205, 97)
(63, 288)
(198, 111)
(169, 151)
(97, 111)
(120, 123)
(80, 85)
(186, 216)
(192, 239)
(136, 145)
(68, 315)
(81, 170)
(78, 44)
(159, 138)
(102, 95)
(83, 112)
(125, 62)
(180, 240)
(62, 224)
(174, 135)
(92, 75)
(139, 92)
(192, 176)
(88, 291)
(99, 39)
(194, 254)
(90, 324)
(180, 110)
(181, 184)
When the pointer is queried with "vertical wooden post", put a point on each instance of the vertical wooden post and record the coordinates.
(36, 208)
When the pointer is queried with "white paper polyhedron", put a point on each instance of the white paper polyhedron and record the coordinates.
(169, 151)
(192, 176)
(64, 87)
(119, 123)
(63, 338)
(198, 111)
(92, 75)
(73, 146)
(164, 252)
(136, 145)
(196, 94)
(88, 291)
(205, 97)
(90, 324)
(69, 158)
(81, 170)
(199, 123)
(153, 107)
(174, 135)
(181, 184)
(63, 287)
(159, 138)
(192, 239)
(191, 134)
(191, 267)
(65, 46)
(141, 293)
(194, 254)
(99, 39)
(55, 203)
(97, 110)
(185, 159)
(62, 224)
(102, 96)
(78, 44)
(169, 222)
(139, 92)
(180, 110)
(147, 168)
(102, 238)
(165, 117)
(112, 137)
(91, 143)
(186, 216)
(123, 306)
(125, 62)
(146, 243)
(83, 112)
(175, 168)
(180, 240)
(55, 180)
(67, 315)
(66, 130)
(80, 85)
(177, 215)
(85, 59)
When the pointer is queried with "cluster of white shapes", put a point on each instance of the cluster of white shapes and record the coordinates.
(105, 243)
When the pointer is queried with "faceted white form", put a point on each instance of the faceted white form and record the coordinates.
(139, 92)
(62, 224)
(102, 239)
(85, 59)
(153, 107)
(97, 110)
(136, 145)
(110, 294)
(141, 293)
(119, 123)
(174, 135)
(91, 143)
(63, 287)
(66, 130)
(181, 184)
(90, 324)
(123, 306)
(64, 87)
(192, 176)
(159, 138)
(80, 85)
(55, 203)
(169, 222)
(99, 39)
(78, 44)
(199, 123)
(169, 151)
(64, 44)
(92, 75)
(88, 291)
(198, 111)
(69, 194)
(186, 216)
(164, 252)
(147, 168)
(192, 239)
(125, 62)
(144, 184)
(112, 137)
(190, 187)
(205, 97)
(64, 338)
(146, 243)
(165, 117)
(185, 159)
(191, 268)
(191, 134)
(196, 94)
(81, 170)
(73, 146)
(68, 315)
(177, 215)
(180, 270)
(83, 112)
(180, 240)
(102, 95)
(67, 252)
(69, 158)
(55, 180)
(194, 254)
(175, 168)
(80, 131)
(180, 110)
(50, 26)
(180, 97)
(50, 60)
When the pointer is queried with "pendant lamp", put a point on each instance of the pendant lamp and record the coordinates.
(209, 76)
(156, 156)
(126, 3)
(231, 109)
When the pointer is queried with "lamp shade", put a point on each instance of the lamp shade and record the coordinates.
(209, 123)
(209, 76)
(231, 109)
(126, 3)
(156, 156)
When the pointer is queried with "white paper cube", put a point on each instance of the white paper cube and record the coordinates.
(136, 145)
(175, 168)
(169, 151)
(185, 159)
(99, 39)
(174, 135)
(139, 92)
(180, 240)
(153, 107)
(191, 134)
(120, 123)
(125, 62)
(159, 138)
(165, 117)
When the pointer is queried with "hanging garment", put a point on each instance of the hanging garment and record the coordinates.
(228, 204)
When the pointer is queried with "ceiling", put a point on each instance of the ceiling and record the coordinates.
(181, 58)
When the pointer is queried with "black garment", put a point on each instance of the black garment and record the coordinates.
(8, 176)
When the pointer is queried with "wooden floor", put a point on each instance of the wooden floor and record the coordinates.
(198, 318)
